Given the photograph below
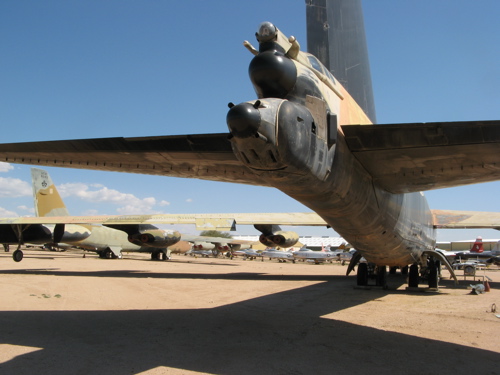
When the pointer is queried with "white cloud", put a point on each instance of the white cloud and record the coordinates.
(189, 200)
(97, 193)
(5, 167)
(7, 213)
(14, 187)
(164, 203)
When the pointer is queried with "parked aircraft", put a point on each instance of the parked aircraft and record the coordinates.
(316, 256)
(307, 136)
(247, 254)
(282, 256)
(108, 241)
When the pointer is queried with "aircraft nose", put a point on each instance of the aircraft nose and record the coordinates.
(244, 119)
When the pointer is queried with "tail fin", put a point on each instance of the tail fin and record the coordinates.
(336, 36)
(478, 246)
(47, 200)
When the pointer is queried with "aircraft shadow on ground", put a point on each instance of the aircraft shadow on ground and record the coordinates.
(394, 281)
(281, 333)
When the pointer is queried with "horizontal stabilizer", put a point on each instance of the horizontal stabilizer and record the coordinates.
(405, 158)
(466, 219)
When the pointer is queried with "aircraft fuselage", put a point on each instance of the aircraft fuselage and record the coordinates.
(291, 137)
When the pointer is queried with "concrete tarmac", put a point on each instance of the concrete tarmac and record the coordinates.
(61, 313)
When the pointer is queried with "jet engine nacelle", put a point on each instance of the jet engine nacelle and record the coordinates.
(203, 246)
(281, 238)
(155, 238)
(222, 247)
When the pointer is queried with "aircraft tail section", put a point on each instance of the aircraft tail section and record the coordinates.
(478, 246)
(336, 36)
(47, 200)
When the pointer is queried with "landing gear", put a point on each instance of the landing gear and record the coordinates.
(433, 278)
(159, 255)
(362, 274)
(413, 277)
(381, 276)
(17, 255)
(108, 254)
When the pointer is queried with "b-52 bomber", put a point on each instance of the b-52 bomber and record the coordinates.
(315, 141)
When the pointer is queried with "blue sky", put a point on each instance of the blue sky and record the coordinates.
(93, 69)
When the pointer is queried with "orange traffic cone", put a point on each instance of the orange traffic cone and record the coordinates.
(486, 286)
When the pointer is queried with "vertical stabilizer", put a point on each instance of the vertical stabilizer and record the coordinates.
(336, 36)
(478, 246)
(47, 200)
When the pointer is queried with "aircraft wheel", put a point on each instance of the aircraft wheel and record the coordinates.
(362, 275)
(433, 274)
(469, 270)
(381, 278)
(163, 256)
(404, 270)
(17, 255)
(108, 254)
(413, 277)
(392, 270)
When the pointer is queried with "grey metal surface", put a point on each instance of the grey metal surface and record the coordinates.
(336, 36)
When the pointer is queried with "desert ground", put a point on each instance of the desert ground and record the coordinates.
(61, 313)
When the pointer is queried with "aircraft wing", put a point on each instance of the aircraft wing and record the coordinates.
(202, 221)
(405, 158)
(401, 158)
(202, 156)
(466, 219)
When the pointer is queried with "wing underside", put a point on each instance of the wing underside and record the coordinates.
(202, 156)
(406, 158)
(401, 158)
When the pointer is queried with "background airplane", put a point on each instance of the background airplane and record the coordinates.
(108, 242)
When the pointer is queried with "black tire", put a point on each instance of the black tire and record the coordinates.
(433, 274)
(362, 275)
(381, 278)
(413, 277)
(17, 255)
